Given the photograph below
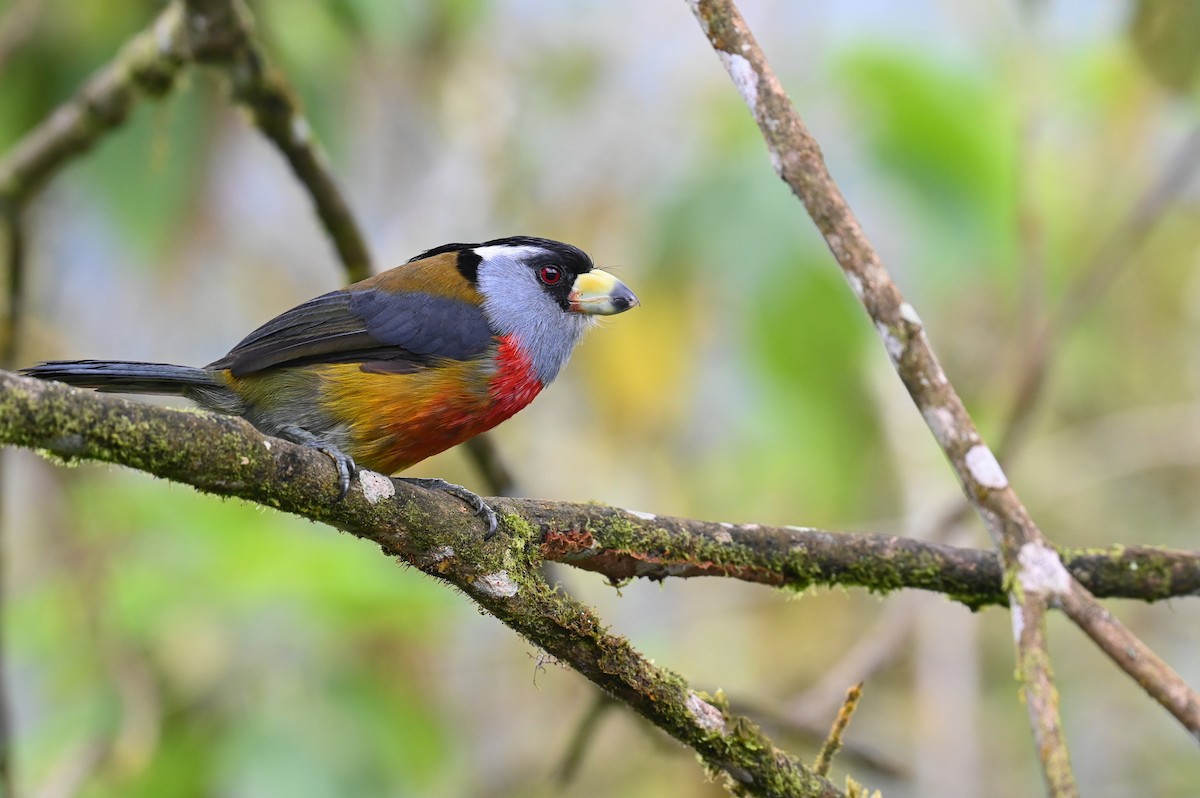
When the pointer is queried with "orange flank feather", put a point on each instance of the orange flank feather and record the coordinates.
(396, 420)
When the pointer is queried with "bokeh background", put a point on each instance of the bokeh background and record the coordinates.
(163, 643)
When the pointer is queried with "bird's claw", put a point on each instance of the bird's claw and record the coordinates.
(345, 465)
(477, 503)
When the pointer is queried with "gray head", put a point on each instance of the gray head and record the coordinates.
(543, 293)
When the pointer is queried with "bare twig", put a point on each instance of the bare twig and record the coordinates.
(833, 743)
(223, 36)
(797, 159)
(147, 65)
(1041, 697)
(1134, 657)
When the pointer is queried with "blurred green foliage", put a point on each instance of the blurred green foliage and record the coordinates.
(186, 646)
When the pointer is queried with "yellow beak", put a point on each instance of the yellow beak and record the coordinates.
(598, 293)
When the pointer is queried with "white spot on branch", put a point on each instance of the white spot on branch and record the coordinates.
(497, 585)
(909, 314)
(267, 445)
(375, 487)
(641, 515)
(855, 284)
(1042, 572)
(708, 716)
(439, 555)
(744, 77)
(941, 423)
(723, 537)
(894, 346)
(1018, 618)
(984, 467)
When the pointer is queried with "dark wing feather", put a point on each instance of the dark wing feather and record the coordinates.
(409, 331)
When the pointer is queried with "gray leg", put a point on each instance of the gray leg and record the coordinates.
(459, 492)
(345, 466)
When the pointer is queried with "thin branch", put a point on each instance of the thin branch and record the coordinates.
(223, 36)
(833, 743)
(797, 159)
(1134, 657)
(147, 65)
(622, 544)
(1041, 697)
(427, 529)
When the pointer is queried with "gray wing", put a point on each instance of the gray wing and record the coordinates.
(386, 331)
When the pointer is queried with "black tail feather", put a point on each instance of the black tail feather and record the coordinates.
(120, 376)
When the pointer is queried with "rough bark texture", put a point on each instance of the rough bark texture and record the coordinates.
(427, 529)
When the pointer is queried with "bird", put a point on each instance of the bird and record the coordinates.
(400, 366)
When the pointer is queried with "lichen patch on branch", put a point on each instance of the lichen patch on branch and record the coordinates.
(375, 487)
(708, 716)
(985, 468)
(497, 585)
(1042, 572)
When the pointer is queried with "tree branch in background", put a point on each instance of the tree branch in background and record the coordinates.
(833, 743)
(218, 33)
(877, 644)
(222, 35)
(1036, 571)
(1110, 260)
(623, 544)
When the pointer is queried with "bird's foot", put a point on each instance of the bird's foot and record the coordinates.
(345, 466)
(459, 492)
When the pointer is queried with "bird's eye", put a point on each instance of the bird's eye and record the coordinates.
(550, 275)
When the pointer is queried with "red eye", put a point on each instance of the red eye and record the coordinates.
(550, 275)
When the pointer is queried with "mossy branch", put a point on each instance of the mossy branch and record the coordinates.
(427, 529)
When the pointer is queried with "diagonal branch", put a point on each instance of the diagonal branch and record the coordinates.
(223, 36)
(797, 159)
(427, 529)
